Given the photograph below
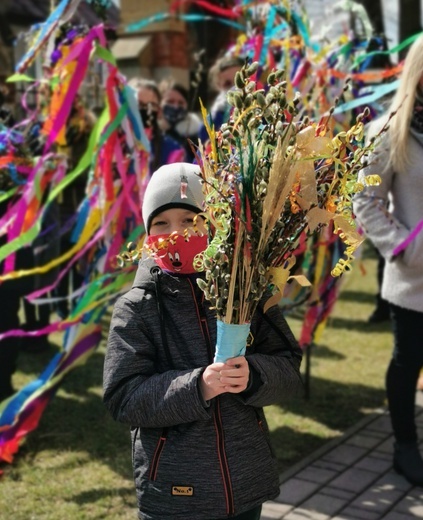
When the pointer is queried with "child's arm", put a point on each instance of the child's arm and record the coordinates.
(275, 361)
(134, 392)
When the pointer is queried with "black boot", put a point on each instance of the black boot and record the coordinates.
(408, 462)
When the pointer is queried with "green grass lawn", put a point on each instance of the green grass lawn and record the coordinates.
(76, 464)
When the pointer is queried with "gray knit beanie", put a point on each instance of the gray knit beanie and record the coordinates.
(176, 185)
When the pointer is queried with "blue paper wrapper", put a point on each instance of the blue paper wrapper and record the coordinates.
(231, 340)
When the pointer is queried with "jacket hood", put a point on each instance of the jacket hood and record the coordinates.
(144, 278)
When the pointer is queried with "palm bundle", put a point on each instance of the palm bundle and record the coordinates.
(268, 176)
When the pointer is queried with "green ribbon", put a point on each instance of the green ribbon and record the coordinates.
(18, 77)
(398, 48)
(105, 55)
(31, 234)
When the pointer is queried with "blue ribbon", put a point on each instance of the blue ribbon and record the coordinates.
(231, 340)
(377, 93)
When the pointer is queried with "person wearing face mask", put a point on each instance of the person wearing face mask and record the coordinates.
(164, 149)
(221, 78)
(178, 121)
(200, 442)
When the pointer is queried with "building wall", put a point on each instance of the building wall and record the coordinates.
(134, 10)
(167, 54)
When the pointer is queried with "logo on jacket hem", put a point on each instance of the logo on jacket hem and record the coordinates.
(182, 491)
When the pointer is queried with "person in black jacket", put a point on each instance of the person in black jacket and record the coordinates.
(200, 441)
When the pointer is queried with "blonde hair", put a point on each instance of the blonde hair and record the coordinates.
(403, 103)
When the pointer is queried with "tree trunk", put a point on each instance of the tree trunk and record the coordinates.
(409, 21)
(374, 10)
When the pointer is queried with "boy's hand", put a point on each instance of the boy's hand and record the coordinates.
(231, 377)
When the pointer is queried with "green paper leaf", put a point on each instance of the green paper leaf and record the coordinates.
(18, 77)
(105, 55)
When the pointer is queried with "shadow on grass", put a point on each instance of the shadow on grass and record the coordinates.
(94, 495)
(358, 325)
(336, 405)
(324, 352)
(357, 297)
(35, 362)
(77, 420)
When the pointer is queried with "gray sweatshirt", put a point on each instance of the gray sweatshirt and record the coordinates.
(389, 212)
(193, 459)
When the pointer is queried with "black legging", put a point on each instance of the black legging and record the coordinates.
(403, 372)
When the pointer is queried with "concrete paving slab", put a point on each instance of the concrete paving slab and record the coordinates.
(387, 446)
(338, 493)
(345, 454)
(343, 481)
(354, 479)
(394, 515)
(329, 465)
(374, 464)
(411, 506)
(324, 504)
(378, 500)
(275, 511)
(303, 514)
(295, 491)
(315, 474)
(364, 440)
(381, 424)
(391, 480)
(359, 514)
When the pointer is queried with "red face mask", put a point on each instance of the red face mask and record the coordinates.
(175, 253)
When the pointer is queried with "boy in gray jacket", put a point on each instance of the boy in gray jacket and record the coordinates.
(200, 442)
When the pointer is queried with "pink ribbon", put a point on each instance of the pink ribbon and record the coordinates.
(405, 243)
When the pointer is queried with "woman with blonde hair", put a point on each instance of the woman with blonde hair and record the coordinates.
(397, 232)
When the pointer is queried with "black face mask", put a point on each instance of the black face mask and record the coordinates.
(174, 115)
(149, 118)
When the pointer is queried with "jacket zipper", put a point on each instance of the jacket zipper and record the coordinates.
(157, 453)
(202, 318)
(217, 418)
(222, 459)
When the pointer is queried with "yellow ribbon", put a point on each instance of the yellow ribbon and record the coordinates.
(279, 277)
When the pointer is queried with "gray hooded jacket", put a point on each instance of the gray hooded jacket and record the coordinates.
(193, 459)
